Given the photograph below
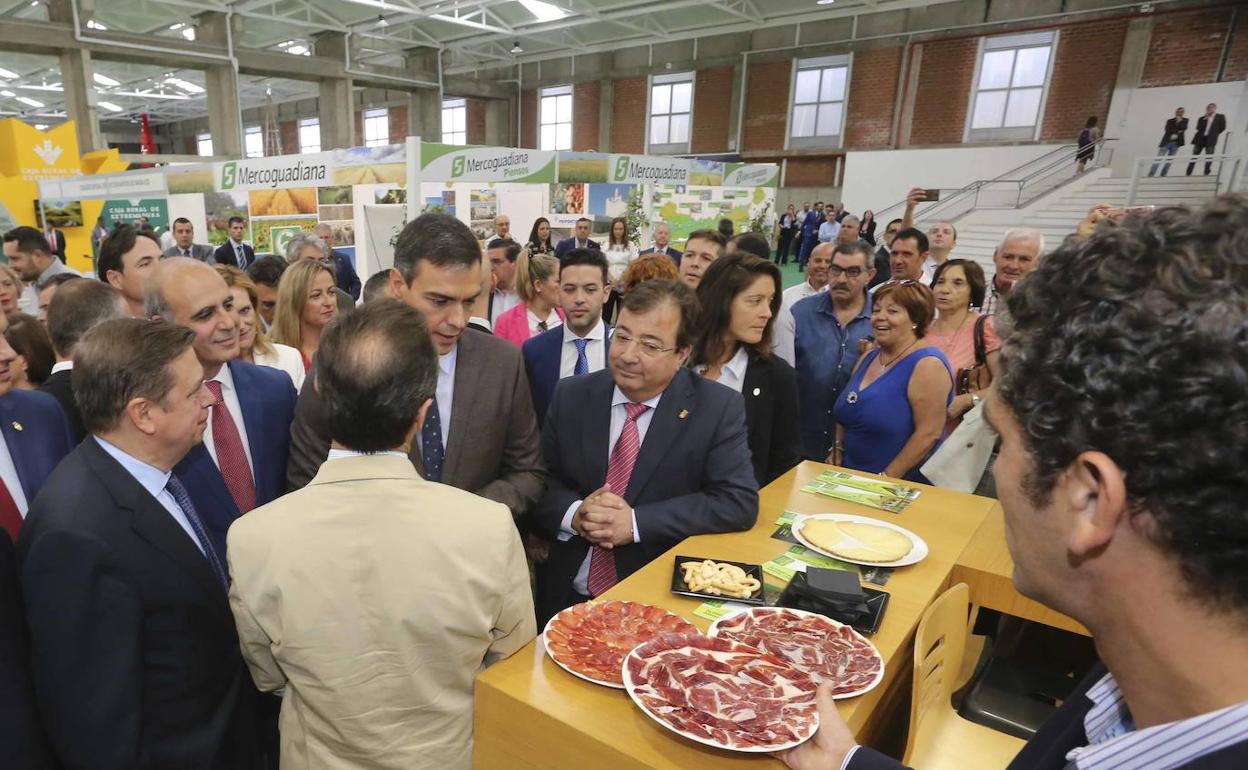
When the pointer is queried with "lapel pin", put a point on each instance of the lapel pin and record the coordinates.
(683, 414)
(17, 425)
(758, 391)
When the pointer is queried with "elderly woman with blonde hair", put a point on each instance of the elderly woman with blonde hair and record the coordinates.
(254, 344)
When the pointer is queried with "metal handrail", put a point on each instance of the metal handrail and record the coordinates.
(1228, 167)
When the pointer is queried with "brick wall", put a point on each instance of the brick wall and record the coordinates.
(585, 102)
(290, 136)
(1185, 48)
(628, 115)
(944, 89)
(475, 118)
(766, 105)
(398, 124)
(810, 172)
(528, 118)
(190, 145)
(1082, 83)
(872, 98)
(359, 129)
(712, 110)
(1237, 60)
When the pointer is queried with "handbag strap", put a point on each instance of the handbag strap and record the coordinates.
(981, 347)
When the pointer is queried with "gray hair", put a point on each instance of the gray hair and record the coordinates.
(121, 359)
(1026, 233)
(857, 221)
(296, 244)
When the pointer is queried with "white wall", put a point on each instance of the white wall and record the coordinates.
(1137, 118)
(879, 178)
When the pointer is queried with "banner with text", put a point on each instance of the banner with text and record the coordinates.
(456, 163)
(751, 175)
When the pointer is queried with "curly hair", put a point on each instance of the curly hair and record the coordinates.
(1134, 342)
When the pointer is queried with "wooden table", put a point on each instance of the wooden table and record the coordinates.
(532, 714)
(985, 565)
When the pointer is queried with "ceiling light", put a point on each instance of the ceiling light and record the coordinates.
(56, 87)
(41, 126)
(10, 74)
(105, 80)
(7, 93)
(381, 21)
(111, 107)
(185, 85)
(824, 2)
(30, 102)
(543, 10)
(299, 50)
(188, 33)
(93, 24)
(175, 27)
(516, 48)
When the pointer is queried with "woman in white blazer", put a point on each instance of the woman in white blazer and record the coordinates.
(254, 344)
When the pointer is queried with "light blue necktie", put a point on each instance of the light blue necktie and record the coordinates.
(183, 499)
(431, 443)
(582, 362)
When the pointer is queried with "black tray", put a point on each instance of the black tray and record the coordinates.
(753, 570)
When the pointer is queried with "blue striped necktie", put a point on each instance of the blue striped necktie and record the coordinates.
(188, 509)
(582, 362)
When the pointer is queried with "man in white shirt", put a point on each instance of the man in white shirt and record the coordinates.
(816, 281)
(941, 238)
(502, 228)
(502, 254)
(1016, 256)
(580, 345)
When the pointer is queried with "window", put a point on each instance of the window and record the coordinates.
(555, 114)
(204, 142)
(253, 142)
(310, 135)
(376, 128)
(1010, 84)
(454, 121)
(818, 116)
(671, 110)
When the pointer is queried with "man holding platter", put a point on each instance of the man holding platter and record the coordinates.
(1124, 497)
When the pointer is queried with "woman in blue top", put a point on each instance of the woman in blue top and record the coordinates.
(891, 415)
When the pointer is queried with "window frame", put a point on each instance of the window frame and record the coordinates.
(250, 131)
(453, 136)
(305, 123)
(670, 79)
(555, 92)
(1015, 43)
(819, 64)
(200, 140)
(373, 116)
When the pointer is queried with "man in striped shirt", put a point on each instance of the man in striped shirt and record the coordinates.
(1123, 426)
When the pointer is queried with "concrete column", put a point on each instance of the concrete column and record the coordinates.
(336, 96)
(497, 123)
(225, 114)
(739, 73)
(606, 113)
(424, 110)
(1134, 53)
(78, 82)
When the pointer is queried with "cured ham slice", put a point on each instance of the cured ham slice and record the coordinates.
(817, 645)
(722, 693)
(591, 639)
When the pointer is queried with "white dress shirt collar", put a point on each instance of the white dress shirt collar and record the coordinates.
(340, 454)
(732, 374)
(61, 366)
(598, 332)
(229, 395)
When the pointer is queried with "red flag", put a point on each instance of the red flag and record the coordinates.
(147, 143)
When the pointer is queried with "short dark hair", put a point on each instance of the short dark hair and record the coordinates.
(30, 340)
(892, 222)
(375, 367)
(727, 277)
(917, 235)
(916, 298)
(118, 243)
(513, 249)
(753, 243)
(707, 234)
(76, 309)
(648, 295)
(584, 219)
(267, 271)
(28, 240)
(59, 279)
(1131, 342)
(122, 359)
(1092, 121)
(725, 228)
(854, 247)
(591, 257)
(439, 239)
(182, 221)
(375, 286)
(974, 278)
(237, 220)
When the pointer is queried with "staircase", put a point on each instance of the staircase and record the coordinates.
(1056, 214)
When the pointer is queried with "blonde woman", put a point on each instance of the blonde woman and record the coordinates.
(305, 306)
(11, 288)
(537, 283)
(254, 345)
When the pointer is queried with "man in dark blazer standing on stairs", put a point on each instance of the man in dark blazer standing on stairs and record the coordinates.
(640, 456)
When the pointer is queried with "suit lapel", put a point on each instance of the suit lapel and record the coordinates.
(18, 449)
(594, 449)
(467, 379)
(755, 379)
(252, 404)
(665, 427)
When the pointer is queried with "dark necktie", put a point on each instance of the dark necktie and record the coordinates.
(231, 456)
(10, 516)
(242, 259)
(431, 443)
(602, 574)
(188, 509)
(582, 362)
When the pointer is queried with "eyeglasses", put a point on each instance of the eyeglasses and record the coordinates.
(648, 348)
(836, 271)
(900, 282)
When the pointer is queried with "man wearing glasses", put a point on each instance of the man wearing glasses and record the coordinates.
(640, 455)
(830, 329)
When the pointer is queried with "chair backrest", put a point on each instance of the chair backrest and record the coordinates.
(939, 645)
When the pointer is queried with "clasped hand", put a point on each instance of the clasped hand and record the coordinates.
(604, 519)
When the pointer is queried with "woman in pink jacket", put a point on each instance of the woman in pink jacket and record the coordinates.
(537, 283)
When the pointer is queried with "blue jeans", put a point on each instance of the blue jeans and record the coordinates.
(1169, 148)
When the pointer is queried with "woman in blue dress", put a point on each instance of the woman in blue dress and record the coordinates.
(891, 415)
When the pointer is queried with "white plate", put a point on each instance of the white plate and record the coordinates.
(916, 555)
(713, 632)
(561, 665)
(629, 686)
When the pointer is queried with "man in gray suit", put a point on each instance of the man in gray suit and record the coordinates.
(480, 434)
(184, 243)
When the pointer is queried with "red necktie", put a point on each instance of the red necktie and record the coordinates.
(10, 517)
(602, 574)
(231, 458)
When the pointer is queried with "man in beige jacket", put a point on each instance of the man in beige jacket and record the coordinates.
(373, 596)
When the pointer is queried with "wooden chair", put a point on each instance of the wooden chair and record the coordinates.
(939, 738)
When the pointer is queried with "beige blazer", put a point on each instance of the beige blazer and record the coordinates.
(374, 597)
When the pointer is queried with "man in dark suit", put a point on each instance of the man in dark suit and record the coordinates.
(480, 434)
(344, 271)
(56, 241)
(1208, 128)
(184, 243)
(640, 455)
(1172, 138)
(76, 308)
(242, 460)
(1127, 514)
(135, 654)
(579, 241)
(23, 744)
(581, 344)
(810, 233)
(234, 252)
(662, 239)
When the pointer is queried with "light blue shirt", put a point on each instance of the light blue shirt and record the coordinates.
(154, 480)
(828, 231)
